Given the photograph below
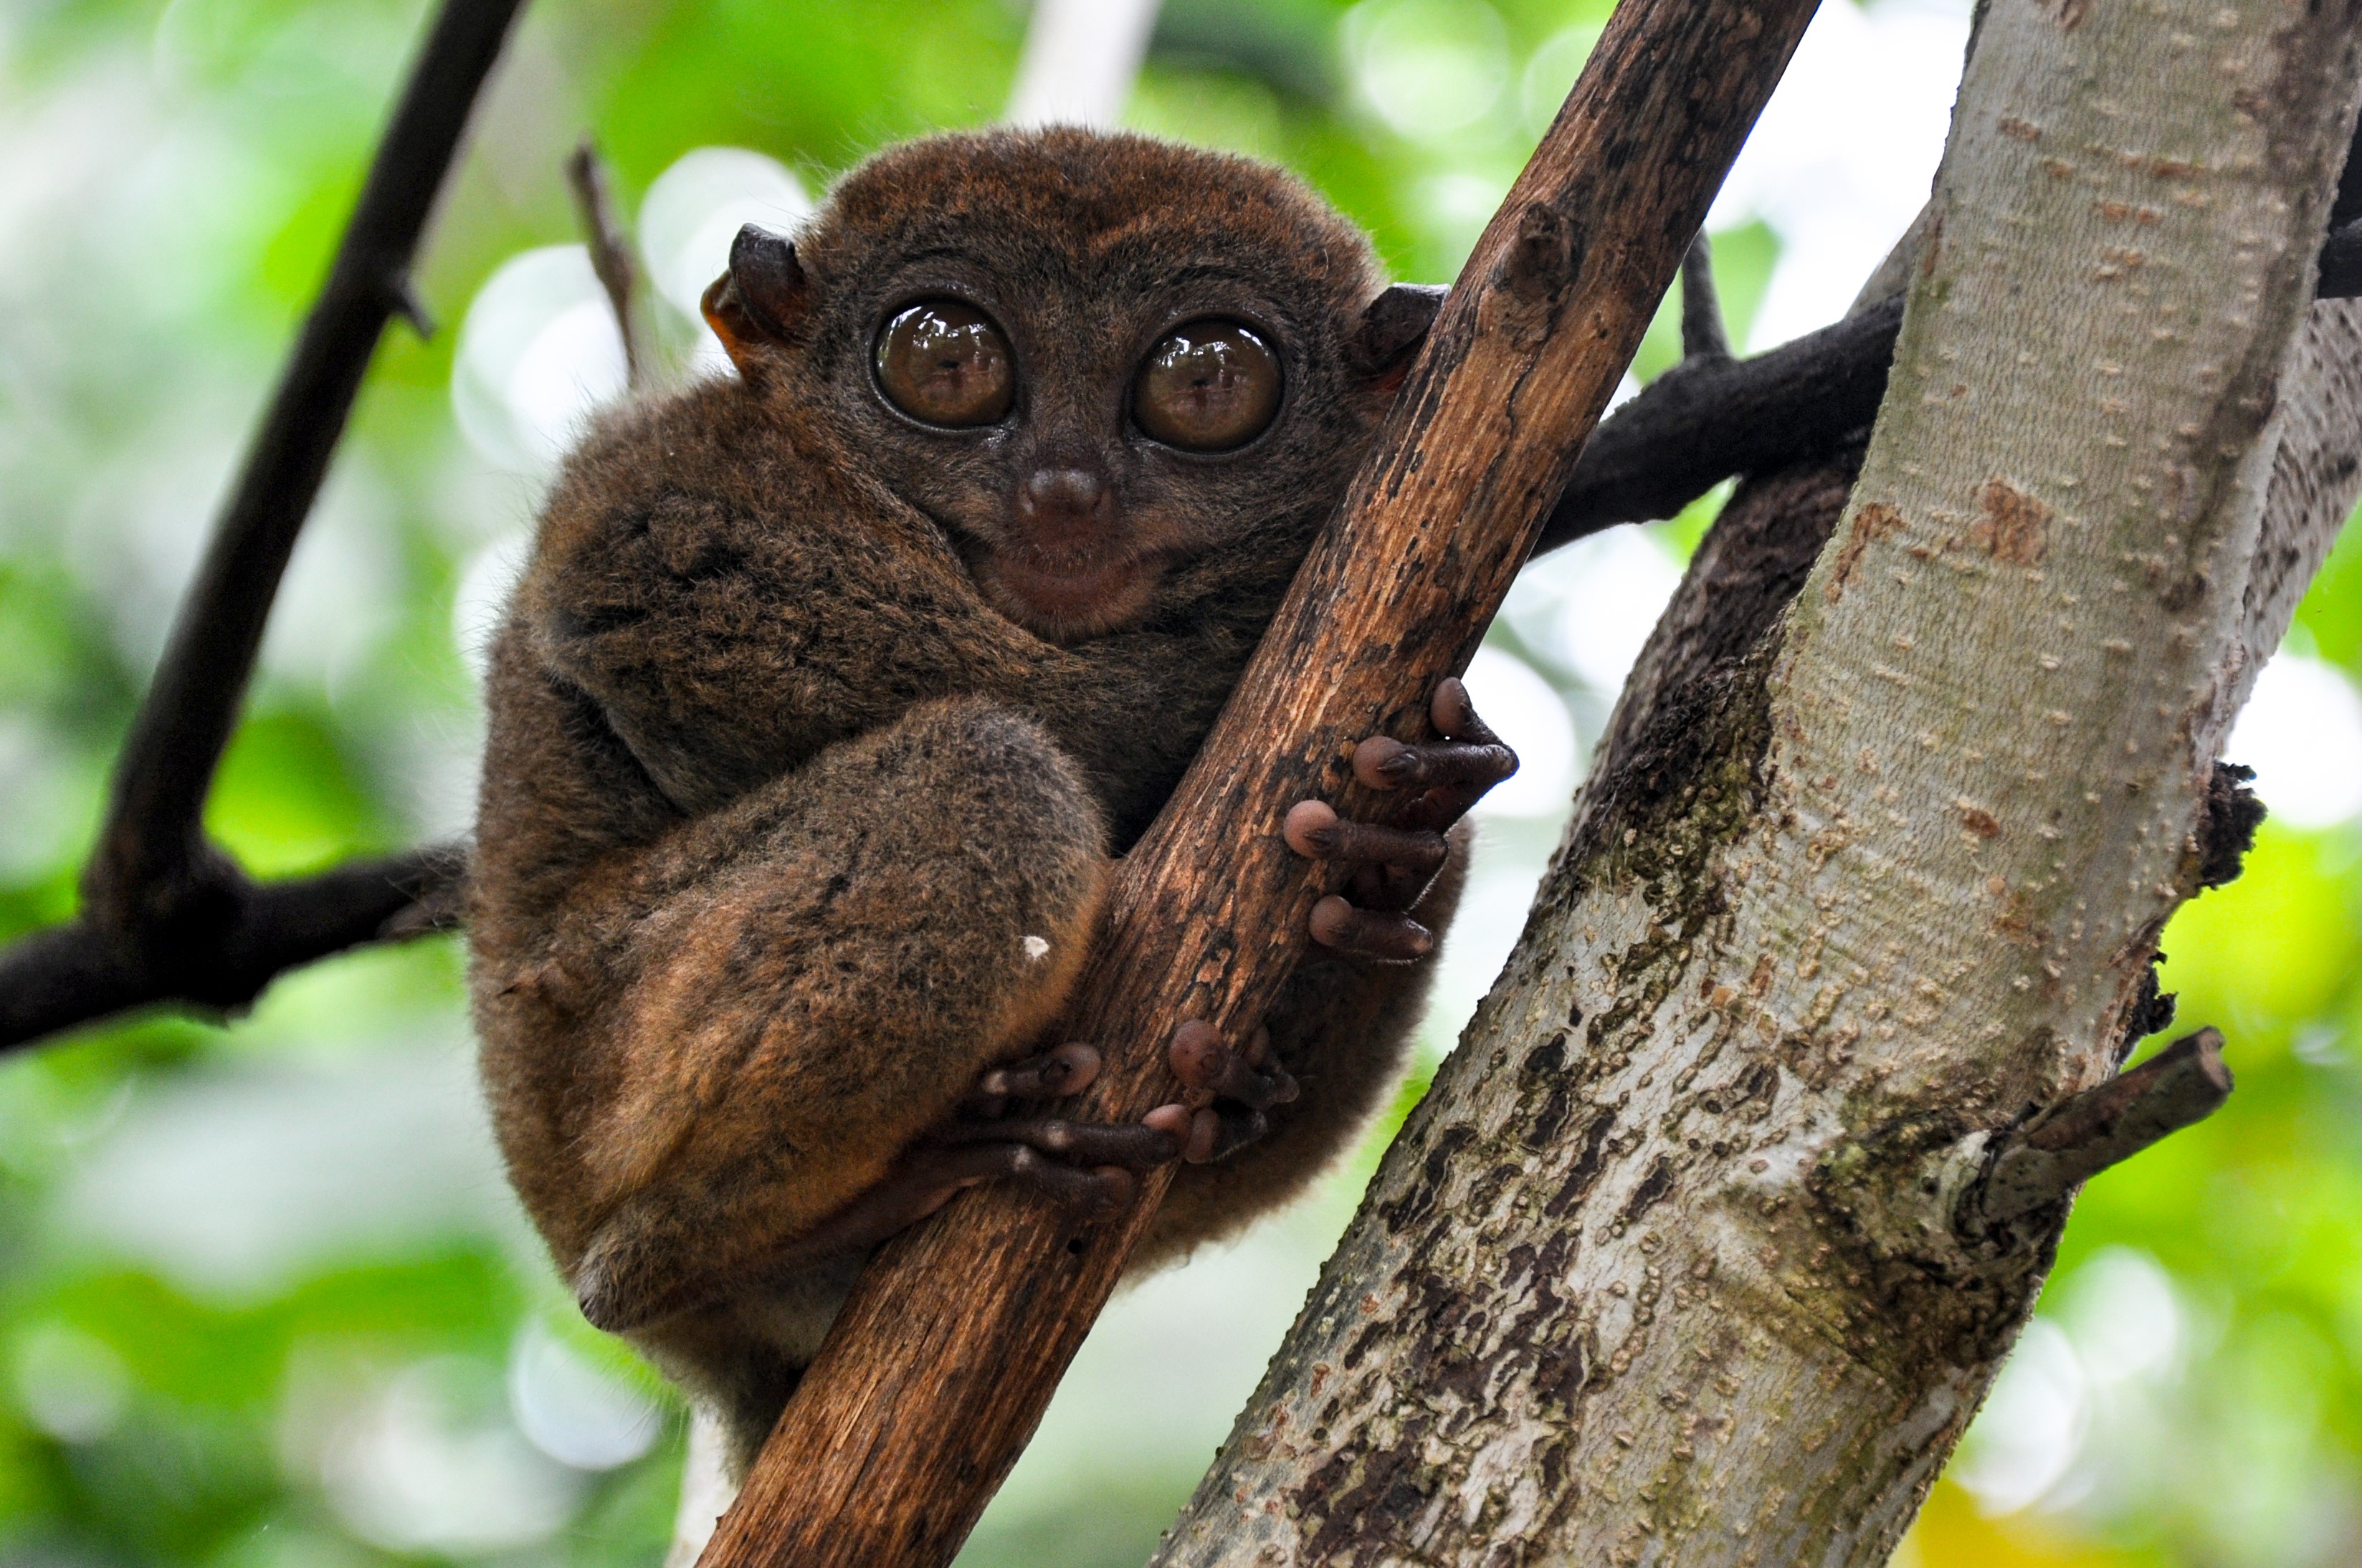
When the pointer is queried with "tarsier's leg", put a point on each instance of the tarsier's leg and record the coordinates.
(1341, 1026)
(821, 974)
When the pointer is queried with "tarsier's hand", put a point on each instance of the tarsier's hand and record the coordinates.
(1085, 1165)
(1392, 866)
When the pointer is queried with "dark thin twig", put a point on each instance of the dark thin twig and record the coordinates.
(611, 254)
(73, 973)
(165, 915)
(1702, 335)
(2085, 1133)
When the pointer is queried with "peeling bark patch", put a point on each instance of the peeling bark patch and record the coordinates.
(1873, 522)
(1585, 1170)
(2151, 1012)
(1416, 1205)
(1362, 1497)
(2226, 825)
(2010, 526)
(1651, 1191)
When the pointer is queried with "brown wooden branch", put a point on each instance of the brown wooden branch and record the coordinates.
(611, 254)
(947, 1352)
(165, 915)
(2043, 1162)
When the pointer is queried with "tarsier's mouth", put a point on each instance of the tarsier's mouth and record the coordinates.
(1073, 596)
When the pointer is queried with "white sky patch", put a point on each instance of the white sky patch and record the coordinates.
(2302, 731)
(574, 1411)
(2023, 1440)
(421, 1465)
(539, 352)
(1429, 70)
(1845, 152)
(1591, 606)
(1525, 710)
(1081, 59)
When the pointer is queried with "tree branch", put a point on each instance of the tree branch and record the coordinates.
(227, 947)
(944, 1356)
(1704, 337)
(165, 915)
(2043, 1162)
(611, 254)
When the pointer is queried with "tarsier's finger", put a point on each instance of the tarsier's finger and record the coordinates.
(1104, 1187)
(1206, 1063)
(1383, 763)
(1369, 933)
(1220, 1130)
(1137, 1145)
(1313, 828)
(1070, 1069)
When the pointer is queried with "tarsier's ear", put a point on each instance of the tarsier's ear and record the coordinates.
(760, 298)
(1392, 328)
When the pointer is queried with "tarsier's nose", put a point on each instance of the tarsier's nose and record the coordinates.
(1062, 506)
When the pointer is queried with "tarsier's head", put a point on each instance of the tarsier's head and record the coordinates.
(1088, 357)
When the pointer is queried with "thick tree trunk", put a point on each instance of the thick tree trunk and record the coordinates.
(1696, 1251)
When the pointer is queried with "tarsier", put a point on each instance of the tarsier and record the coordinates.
(832, 687)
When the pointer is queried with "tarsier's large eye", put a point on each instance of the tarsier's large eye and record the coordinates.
(1210, 386)
(943, 362)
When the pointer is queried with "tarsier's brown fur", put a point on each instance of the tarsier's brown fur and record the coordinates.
(780, 784)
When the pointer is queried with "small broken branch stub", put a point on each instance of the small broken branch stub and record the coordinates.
(2039, 1164)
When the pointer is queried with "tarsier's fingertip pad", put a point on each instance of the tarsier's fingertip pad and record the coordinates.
(1449, 707)
(1381, 761)
(1205, 1137)
(1310, 828)
(1332, 917)
(1173, 1121)
(1198, 1054)
(1070, 1069)
(1117, 1188)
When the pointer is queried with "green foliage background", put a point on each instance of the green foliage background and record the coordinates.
(245, 1274)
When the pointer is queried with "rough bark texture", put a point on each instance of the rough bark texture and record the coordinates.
(1676, 1263)
(944, 1357)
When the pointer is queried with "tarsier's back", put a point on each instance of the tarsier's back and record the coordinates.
(833, 686)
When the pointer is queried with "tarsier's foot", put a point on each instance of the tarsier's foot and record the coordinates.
(1394, 865)
(1229, 1089)
(1086, 1166)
